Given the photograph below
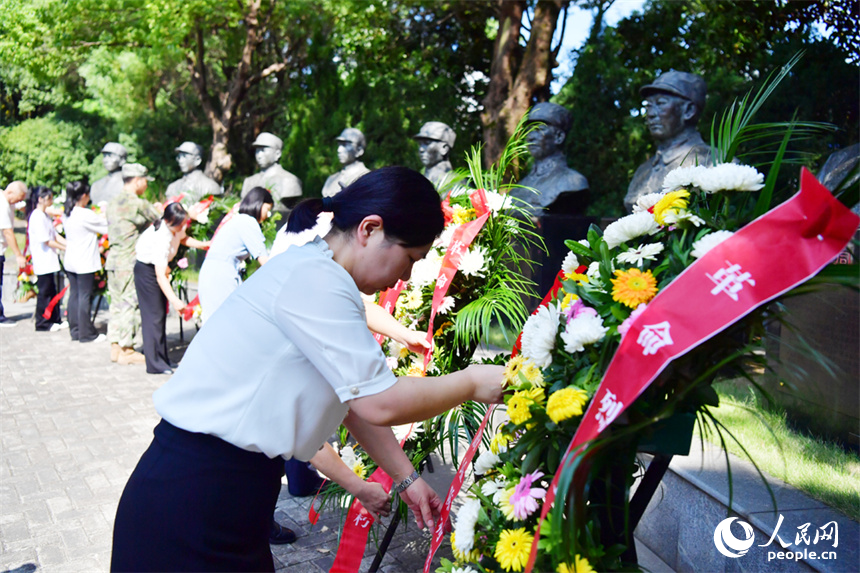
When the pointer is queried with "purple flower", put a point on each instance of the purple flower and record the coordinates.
(524, 499)
(578, 309)
(628, 322)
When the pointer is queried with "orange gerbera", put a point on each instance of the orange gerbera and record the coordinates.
(633, 287)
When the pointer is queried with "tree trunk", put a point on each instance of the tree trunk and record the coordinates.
(517, 76)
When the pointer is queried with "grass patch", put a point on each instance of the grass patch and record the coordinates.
(820, 469)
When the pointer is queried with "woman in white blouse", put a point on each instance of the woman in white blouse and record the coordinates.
(155, 248)
(285, 360)
(44, 244)
(83, 227)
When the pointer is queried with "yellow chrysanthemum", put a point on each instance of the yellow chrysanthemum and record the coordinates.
(402, 353)
(671, 202)
(512, 370)
(499, 441)
(359, 469)
(462, 215)
(413, 299)
(566, 403)
(513, 548)
(442, 328)
(461, 557)
(580, 565)
(416, 370)
(568, 300)
(533, 374)
(578, 277)
(505, 505)
(518, 408)
(633, 287)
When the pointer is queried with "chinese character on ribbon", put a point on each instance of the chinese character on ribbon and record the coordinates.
(362, 521)
(455, 248)
(653, 337)
(609, 409)
(730, 280)
(441, 281)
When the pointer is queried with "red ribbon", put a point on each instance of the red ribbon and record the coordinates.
(49, 310)
(388, 300)
(188, 311)
(731, 280)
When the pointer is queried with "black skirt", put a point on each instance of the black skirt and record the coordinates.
(196, 503)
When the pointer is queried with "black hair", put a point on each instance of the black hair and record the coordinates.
(406, 201)
(174, 214)
(36, 193)
(74, 191)
(253, 202)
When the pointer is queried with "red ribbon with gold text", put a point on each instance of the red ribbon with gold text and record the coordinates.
(740, 274)
(460, 243)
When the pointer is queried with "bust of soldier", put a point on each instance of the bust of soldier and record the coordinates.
(109, 186)
(435, 140)
(560, 189)
(673, 104)
(283, 185)
(350, 146)
(193, 184)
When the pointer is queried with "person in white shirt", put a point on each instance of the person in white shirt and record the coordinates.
(44, 244)
(236, 240)
(83, 227)
(14, 192)
(285, 360)
(155, 248)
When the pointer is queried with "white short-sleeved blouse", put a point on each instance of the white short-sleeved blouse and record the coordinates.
(40, 230)
(82, 228)
(157, 246)
(273, 369)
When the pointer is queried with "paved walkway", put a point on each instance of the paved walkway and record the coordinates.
(73, 427)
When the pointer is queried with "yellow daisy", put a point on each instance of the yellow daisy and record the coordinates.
(505, 505)
(413, 299)
(568, 300)
(580, 565)
(499, 441)
(513, 548)
(673, 201)
(442, 328)
(633, 287)
(512, 370)
(461, 557)
(533, 374)
(359, 469)
(578, 277)
(416, 370)
(518, 405)
(566, 403)
(462, 215)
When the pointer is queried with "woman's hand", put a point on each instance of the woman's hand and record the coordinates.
(374, 499)
(488, 379)
(179, 305)
(413, 340)
(423, 502)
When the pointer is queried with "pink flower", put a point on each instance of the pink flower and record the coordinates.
(628, 322)
(524, 499)
(182, 263)
(579, 309)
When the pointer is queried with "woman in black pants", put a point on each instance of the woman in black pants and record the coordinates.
(155, 248)
(83, 227)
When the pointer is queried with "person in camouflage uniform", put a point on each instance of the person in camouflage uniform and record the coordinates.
(128, 214)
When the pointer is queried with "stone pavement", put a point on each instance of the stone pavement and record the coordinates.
(73, 427)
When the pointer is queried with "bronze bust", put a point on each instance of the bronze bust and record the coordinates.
(109, 186)
(284, 186)
(435, 140)
(193, 184)
(350, 146)
(673, 104)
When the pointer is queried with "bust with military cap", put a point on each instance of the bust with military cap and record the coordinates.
(282, 184)
(109, 186)
(435, 140)
(559, 189)
(673, 104)
(194, 184)
(350, 146)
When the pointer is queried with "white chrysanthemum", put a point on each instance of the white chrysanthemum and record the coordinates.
(682, 216)
(494, 488)
(593, 272)
(729, 177)
(446, 305)
(401, 431)
(708, 242)
(629, 228)
(647, 201)
(464, 529)
(486, 461)
(641, 254)
(539, 332)
(496, 201)
(582, 330)
(425, 271)
(473, 261)
(465, 569)
(347, 454)
(445, 237)
(391, 362)
(570, 263)
(682, 177)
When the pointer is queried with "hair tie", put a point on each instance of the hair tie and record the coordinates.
(328, 204)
